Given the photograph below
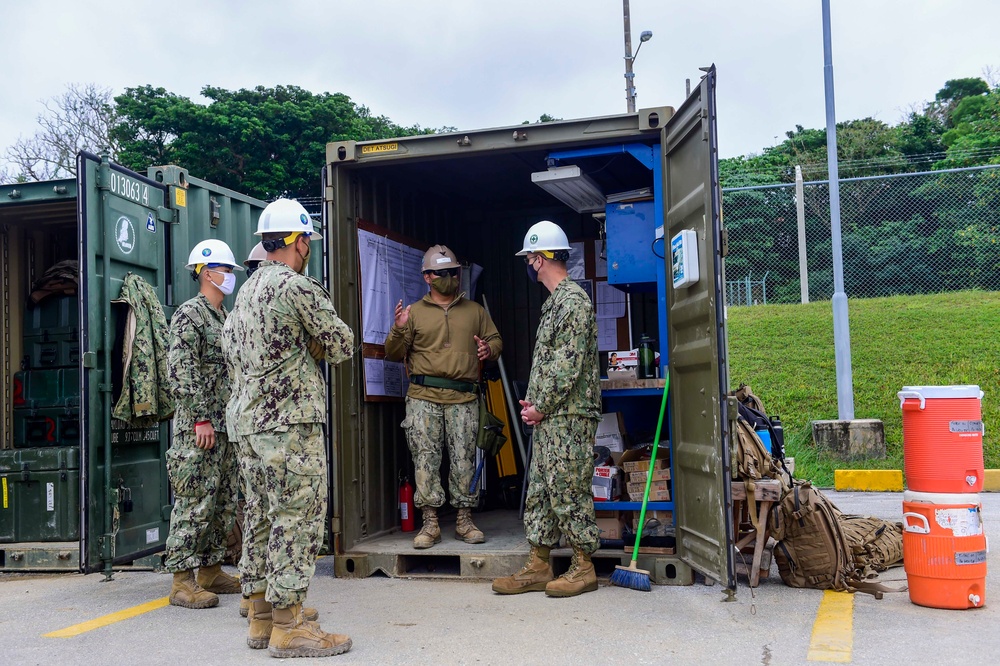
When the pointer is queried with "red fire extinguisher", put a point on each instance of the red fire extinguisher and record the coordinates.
(406, 508)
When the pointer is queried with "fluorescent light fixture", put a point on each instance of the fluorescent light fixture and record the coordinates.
(571, 186)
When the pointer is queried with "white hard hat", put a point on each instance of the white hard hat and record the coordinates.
(258, 253)
(546, 237)
(285, 216)
(212, 251)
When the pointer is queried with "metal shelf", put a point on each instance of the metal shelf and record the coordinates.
(631, 392)
(633, 506)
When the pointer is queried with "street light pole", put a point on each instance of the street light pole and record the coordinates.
(841, 326)
(629, 58)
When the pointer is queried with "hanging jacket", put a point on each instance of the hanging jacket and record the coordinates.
(146, 398)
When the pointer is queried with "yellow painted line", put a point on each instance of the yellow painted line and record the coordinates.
(991, 481)
(873, 480)
(833, 631)
(105, 620)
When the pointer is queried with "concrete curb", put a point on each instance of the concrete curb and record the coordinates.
(891, 480)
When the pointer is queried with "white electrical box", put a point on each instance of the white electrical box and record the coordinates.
(684, 258)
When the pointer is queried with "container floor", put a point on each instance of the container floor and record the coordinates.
(503, 553)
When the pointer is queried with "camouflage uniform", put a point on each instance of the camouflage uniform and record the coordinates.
(438, 341)
(283, 401)
(203, 480)
(565, 386)
(251, 497)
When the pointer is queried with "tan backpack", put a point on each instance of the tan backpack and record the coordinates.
(753, 463)
(817, 548)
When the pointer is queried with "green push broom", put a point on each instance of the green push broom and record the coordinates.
(632, 576)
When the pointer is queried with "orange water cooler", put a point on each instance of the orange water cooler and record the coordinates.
(944, 544)
(944, 550)
(942, 438)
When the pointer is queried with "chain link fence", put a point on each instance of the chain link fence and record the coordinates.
(915, 233)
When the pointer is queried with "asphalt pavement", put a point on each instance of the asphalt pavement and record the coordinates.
(422, 621)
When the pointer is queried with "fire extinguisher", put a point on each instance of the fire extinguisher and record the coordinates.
(406, 508)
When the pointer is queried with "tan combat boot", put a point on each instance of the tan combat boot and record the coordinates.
(310, 614)
(214, 579)
(533, 577)
(187, 593)
(579, 579)
(293, 636)
(430, 533)
(466, 530)
(259, 616)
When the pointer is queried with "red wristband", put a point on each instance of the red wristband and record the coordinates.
(198, 423)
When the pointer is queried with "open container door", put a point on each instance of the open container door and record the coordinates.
(699, 375)
(125, 501)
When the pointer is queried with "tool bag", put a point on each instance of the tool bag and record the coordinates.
(814, 550)
(490, 437)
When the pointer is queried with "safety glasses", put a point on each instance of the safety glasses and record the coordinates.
(444, 272)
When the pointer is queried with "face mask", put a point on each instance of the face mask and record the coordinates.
(228, 283)
(532, 273)
(305, 262)
(445, 285)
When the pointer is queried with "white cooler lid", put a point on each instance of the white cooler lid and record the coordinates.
(942, 498)
(968, 391)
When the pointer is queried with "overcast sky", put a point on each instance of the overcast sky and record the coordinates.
(480, 63)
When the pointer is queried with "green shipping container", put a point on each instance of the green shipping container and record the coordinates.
(39, 495)
(113, 221)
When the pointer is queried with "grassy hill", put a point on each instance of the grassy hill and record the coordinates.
(785, 353)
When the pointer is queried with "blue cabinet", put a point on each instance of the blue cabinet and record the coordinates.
(632, 263)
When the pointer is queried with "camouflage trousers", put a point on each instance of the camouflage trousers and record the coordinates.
(429, 427)
(560, 499)
(283, 530)
(204, 482)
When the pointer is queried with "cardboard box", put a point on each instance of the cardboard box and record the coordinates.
(637, 460)
(606, 484)
(664, 518)
(621, 361)
(610, 524)
(659, 474)
(611, 432)
(655, 487)
(654, 495)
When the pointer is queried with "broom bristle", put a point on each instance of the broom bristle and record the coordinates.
(631, 577)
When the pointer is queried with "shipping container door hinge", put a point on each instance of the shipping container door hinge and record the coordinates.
(725, 242)
(167, 215)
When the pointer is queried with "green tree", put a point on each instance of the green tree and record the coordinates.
(951, 94)
(975, 137)
(265, 142)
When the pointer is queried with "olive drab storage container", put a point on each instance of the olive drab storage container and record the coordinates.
(39, 495)
(475, 191)
(79, 489)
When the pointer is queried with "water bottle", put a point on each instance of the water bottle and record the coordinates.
(778, 446)
(765, 438)
(647, 358)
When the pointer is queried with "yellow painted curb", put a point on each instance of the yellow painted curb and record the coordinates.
(871, 480)
(991, 481)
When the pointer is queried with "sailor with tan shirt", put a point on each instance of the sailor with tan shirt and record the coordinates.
(443, 337)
